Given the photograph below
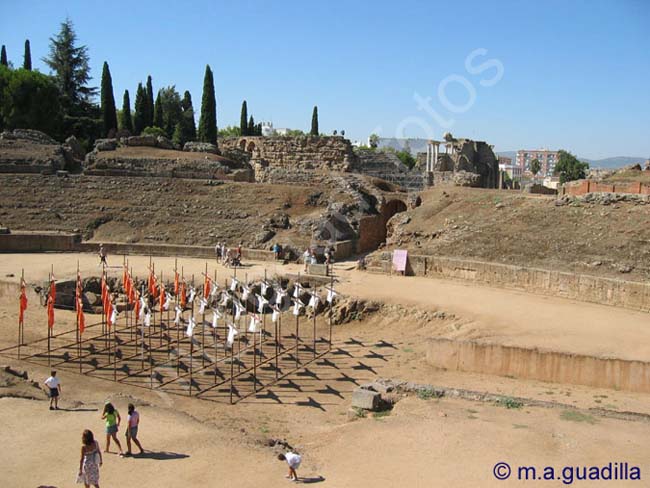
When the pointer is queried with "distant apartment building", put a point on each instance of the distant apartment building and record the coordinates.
(547, 160)
(514, 171)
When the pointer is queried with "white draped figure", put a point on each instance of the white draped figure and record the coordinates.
(147, 319)
(254, 324)
(296, 291)
(114, 315)
(177, 317)
(190, 327)
(239, 308)
(261, 302)
(276, 314)
(143, 305)
(224, 299)
(192, 295)
(168, 301)
(330, 295)
(215, 290)
(202, 304)
(279, 295)
(245, 293)
(216, 315)
(232, 332)
(297, 306)
(233, 284)
(264, 287)
(313, 301)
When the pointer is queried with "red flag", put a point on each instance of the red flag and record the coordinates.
(125, 275)
(109, 312)
(176, 283)
(81, 319)
(23, 301)
(104, 289)
(183, 299)
(206, 287)
(53, 289)
(132, 291)
(136, 297)
(162, 296)
(50, 312)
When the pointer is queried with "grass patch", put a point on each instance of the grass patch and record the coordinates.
(407, 349)
(472, 417)
(381, 415)
(264, 429)
(359, 413)
(428, 394)
(509, 403)
(471, 410)
(575, 416)
(520, 426)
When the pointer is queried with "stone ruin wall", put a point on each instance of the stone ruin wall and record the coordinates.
(294, 159)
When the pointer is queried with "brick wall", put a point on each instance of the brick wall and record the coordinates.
(582, 187)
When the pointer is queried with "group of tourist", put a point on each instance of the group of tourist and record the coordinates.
(228, 256)
(91, 455)
(309, 257)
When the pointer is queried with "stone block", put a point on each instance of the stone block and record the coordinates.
(366, 399)
(317, 269)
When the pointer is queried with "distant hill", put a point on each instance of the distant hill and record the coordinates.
(605, 163)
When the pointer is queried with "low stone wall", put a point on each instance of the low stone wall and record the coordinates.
(39, 242)
(582, 187)
(607, 291)
(525, 363)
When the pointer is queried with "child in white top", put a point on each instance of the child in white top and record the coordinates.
(293, 460)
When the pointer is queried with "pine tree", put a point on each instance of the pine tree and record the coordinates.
(187, 125)
(314, 122)
(259, 129)
(71, 69)
(109, 116)
(158, 119)
(208, 120)
(243, 120)
(139, 121)
(27, 60)
(250, 130)
(126, 122)
(150, 106)
(3, 56)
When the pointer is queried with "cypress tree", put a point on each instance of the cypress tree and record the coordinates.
(188, 132)
(208, 120)
(243, 120)
(3, 56)
(127, 122)
(109, 116)
(250, 130)
(314, 122)
(158, 119)
(149, 120)
(27, 61)
(139, 122)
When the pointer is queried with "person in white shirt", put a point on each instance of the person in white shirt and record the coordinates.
(54, 386)
(293, 460)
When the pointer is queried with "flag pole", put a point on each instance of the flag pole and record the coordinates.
(77, 305)
(22, 312)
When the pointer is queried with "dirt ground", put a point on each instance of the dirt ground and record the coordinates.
(529, 230)
(421, 442)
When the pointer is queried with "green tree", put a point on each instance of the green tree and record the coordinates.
(109, 116)
(187, 129)
(70, 66)
(27, 58)
(171, 108)
(139, 120)
(243, 119)
(535, 166)
(126, 122)
(3, 56)
(208, 119)
(314, 122)
(158, 112)
(29, 100)
(373, 140)
(250, 130)
(230, 131)
(569, 167)
(150, 105)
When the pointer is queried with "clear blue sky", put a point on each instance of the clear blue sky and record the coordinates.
(576, 73)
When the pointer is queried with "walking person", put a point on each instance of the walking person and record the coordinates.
(54, 386)
(113, 420)
(102, 256)
(293, 460)
(132, 420)
(91, 460)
